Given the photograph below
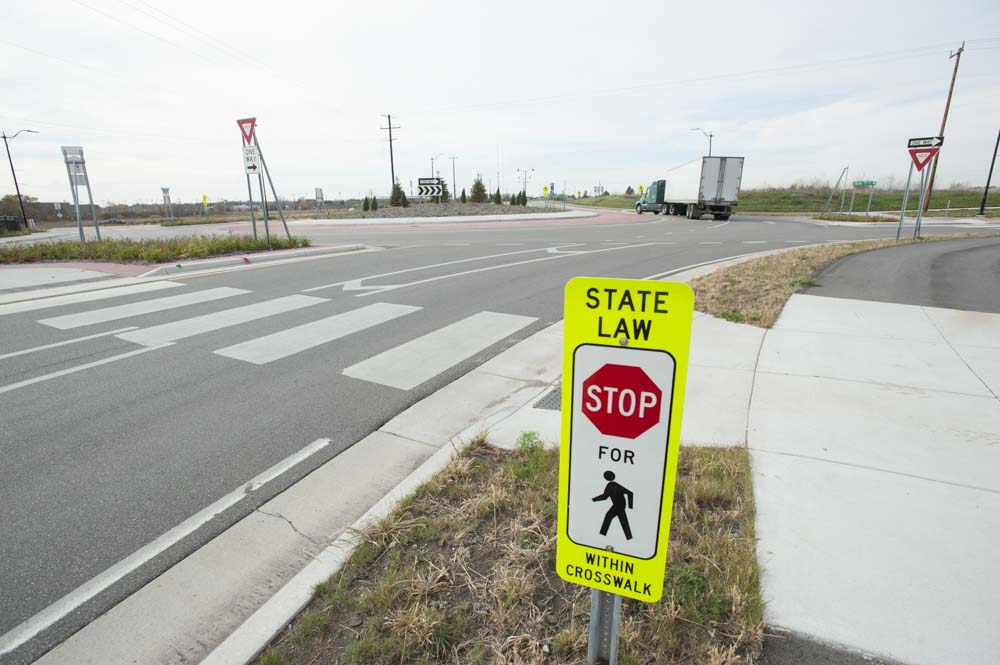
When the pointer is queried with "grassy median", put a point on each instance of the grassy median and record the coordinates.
(464, 572)
(144, 251)
(756, 291)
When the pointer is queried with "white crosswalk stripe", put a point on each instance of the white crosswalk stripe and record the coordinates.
(89, 296)
(268, 348)
(410, 364)
(170, 332)
(138, 308)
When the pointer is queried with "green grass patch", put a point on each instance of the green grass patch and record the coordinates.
(756, 291)
(144, 251)
(844, 217)
(463, 571)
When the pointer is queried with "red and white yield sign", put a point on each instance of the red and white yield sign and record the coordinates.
(247, 126)
(923, 149)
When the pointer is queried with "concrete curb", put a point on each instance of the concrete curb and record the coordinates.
(244, 259)
(457, 219)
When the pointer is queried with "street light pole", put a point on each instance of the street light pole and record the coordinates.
(17, 188)
(986, 190)
(707, 134)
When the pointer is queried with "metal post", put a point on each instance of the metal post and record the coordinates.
(17, 188)
(843, 192)
(986, 190)
(605, 618)
(263, 198)
(454, 182)
(71, 172)
(277, 199)
(906, 195)
(90, 197)
(871, 190)
(920, 206)
(850, 211)
(834, 190)
(253, 214)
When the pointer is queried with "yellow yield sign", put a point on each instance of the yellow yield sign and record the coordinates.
(625, 358)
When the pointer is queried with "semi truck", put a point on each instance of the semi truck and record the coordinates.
(707, 185)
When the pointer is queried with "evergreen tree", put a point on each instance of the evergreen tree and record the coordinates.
(630, 191)
(374, 203)
(365, 206)
(513, 201)
(445, 194)
(497, 199)
(478, 191)
(398, 197)
(464, 199)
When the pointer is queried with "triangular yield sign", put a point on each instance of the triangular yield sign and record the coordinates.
(921, 156)
(247, 126)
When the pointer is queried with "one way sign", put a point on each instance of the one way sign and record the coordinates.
(429, 187)
(251, 159)
(926, 142)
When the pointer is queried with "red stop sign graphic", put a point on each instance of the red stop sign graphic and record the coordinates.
(621, 400)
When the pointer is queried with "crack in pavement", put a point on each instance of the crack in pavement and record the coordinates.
(292, 525)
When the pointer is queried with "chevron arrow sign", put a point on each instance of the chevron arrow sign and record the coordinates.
(429, 187)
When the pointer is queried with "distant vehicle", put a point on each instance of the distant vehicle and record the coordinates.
(707, 185)
(114, 220)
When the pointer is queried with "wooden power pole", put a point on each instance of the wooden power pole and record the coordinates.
(944, 120)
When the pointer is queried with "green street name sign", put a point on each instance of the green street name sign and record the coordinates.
(862, 184)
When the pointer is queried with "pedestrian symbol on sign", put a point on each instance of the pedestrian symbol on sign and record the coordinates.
(620, 498)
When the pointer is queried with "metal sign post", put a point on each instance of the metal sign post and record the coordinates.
(320, 201)
(76, 170)
(277, 199)
(906, 195)
(166, 202)
(625, 358)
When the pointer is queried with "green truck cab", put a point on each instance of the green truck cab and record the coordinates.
(652, 199)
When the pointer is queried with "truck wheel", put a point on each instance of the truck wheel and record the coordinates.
(663, 210)
(638, 209)
(690, 211)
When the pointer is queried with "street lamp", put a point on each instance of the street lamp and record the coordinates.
(440, 154)
(24, 217)
(708, 134)
(524, 173)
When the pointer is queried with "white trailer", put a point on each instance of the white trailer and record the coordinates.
(707, 185)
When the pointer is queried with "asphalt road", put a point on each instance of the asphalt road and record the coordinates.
(957, 274)
(111, 441)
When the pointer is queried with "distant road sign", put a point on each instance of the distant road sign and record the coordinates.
(204, 200)
(625, 356)
(864, 184)
(247, 126)
(545, 191)
(251, 159)
(921, 156)
(429, 187)
(926, 142)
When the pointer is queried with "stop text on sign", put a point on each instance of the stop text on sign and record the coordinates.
(621, 400)
(646, 302)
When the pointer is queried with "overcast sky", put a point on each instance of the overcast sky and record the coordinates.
(582, 92)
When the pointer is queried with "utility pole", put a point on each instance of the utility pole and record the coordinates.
(17, 188)
(392, 164)
(454, 183)
(986, 190)
(944, 120)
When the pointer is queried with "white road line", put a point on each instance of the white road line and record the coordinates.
(427, 267)
(65, 342)
(272, 347)
(175, 330)
(611, 242)
(754, 242)
(674, 271)
(68, 603)
(138, 308)
(79, 368)
(508, 244)
(410, 364)
(769, 223)
(89, 296)
(389, 287)
(797, 241)
(709, 242)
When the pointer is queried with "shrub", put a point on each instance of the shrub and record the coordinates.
(478, 191)
(365, 206)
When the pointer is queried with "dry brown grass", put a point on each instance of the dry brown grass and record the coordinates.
(463, 572)
(755, 291)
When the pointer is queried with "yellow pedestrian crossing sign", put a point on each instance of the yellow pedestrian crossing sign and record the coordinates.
(545, 190)
(625, 357)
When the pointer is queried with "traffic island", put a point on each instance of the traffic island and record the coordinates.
(464, 571)
(161, 250)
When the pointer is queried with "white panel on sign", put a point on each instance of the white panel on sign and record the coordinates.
(251, 159)
(607, 474)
